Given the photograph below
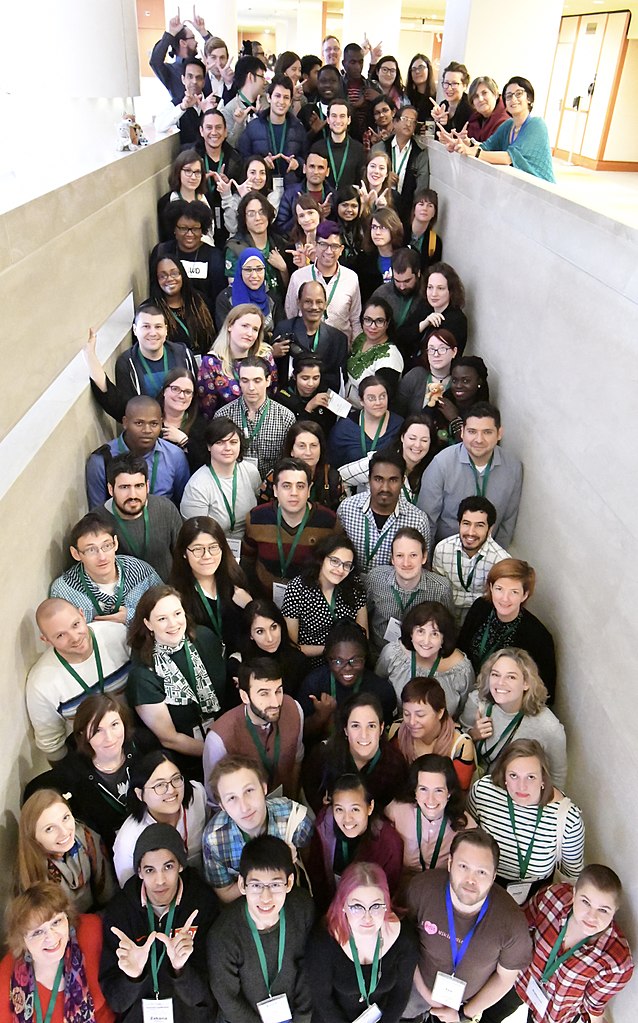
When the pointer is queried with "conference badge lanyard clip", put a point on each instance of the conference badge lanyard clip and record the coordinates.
(158, 1010)
(535, 989)
(393, 628)
(275, 1008)
(449, 989)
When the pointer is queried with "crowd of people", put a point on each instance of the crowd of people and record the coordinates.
(303, 764)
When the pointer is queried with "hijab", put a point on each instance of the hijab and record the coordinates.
(241, 293)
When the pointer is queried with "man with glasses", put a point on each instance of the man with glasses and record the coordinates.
(315, 336)
(187, 112)
(272, 918)
(182, 43)
(250, 83)
(410, 163)
(455, 109)
(79, 662)
(343, 297)
(155, 933)
(146, 525)
(239, 786)
(105, 586)
(267, 724)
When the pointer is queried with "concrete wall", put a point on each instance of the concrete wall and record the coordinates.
(72, 257)
(553, 309)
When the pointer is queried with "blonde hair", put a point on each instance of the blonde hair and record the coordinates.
(221, 348)
(42, 901)
(32, 859)
(534, 697)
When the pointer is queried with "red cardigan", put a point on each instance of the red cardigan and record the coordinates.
(89, 932)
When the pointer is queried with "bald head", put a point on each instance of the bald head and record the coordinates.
(49, 608)
(312, 302)
(64, 627)
(142, 424)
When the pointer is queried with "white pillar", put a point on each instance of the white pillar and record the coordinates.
(499, 41)
(308, 29)
(221, 19)
(381, 22)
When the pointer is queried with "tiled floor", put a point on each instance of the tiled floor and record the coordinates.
(613, 193)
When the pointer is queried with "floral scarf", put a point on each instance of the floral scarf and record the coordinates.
(78, 1002)
(178, 691)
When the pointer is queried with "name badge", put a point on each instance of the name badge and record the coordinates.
(275, 1009)
(371, 1015)
(278, 593)
(448, 990)
(278, 184)
(196, 271)
(537, 996)
(235, 547)
(157, 1010)
(519, 890)
(393, 630)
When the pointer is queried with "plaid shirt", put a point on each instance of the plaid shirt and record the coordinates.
(355, 511)
(586, 981)
(387, 600)
(222, 842)
(267, 444)
(444, 562)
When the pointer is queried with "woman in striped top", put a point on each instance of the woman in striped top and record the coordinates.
(537, 828)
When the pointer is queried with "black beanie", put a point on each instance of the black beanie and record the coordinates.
(159, 836)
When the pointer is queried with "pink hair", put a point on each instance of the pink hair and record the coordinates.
(355, 876)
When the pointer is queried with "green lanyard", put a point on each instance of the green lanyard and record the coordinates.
(409, 496)
(259, 945)
(182, 324)
(127, 536)
(366, 993)
(431, 673)
(148, 373)
(405, 311)
(254, 433)
(214, 613)
(337, 177)
(211, 181)
(466, 583)
(406, 153)
(333, 687)
(247, 102)
(369, 768)
(481, 748)
(269, 765)
(554, 960)
(315, 340)
(54, 994)
(362, 433)
(119, 595)
(273, 143)
(480, 480)
(417, 243)
(484, 652)
(155, 962)
(403, 607)
(523, 861)
(230, 508)
(369, 554)
(329, 294)
(121, 446)
(98, 664)
(439, 840)
(285, 563)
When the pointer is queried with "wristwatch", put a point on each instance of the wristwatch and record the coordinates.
(463, 1018)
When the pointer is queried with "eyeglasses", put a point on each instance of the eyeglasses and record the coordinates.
(253, 214)
(160, 788)
(93, 550)
(351, 662)
(374, 321)
(515, 95)
(189, 230)
(438, 351)
(257, 887)
(183, 392)
(451, 85)
(198, 551)
(259, 75)
(333, 246)
(253, 271)
(347, 566)
(387, 69)
(169, 275)
(358, 910)
(409, 120)
(191, 173)
(420, 67)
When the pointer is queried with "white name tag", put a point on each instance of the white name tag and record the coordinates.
(157, 1010)
(235, 547)
(537, 996)
(278, 593)
(371, 1015)
(448, 990)
(340, 406)
(196, 271)
(519, 890)
(274, 1010)
(278, 184)
(393, 630)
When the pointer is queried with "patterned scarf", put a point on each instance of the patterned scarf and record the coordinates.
(178, 691)
(78, 865)
(78, 1002)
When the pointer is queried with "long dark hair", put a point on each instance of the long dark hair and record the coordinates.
(436, 445)
(142, 771)
(337, 749)
(432, 763)
(262, 607)
(140, 637)
(411, 90)
(227, 577)
(323, 550)
(196, 313)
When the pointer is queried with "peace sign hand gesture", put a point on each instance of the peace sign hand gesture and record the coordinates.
(179, 946)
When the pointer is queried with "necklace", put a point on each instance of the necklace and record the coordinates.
(110, 770)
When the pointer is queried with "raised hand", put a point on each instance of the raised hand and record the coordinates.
(326, 205)
(326, 704)
(293, 162)
(321, 400)
(179, 945)
(191, 98)
(276, 260)
(228, 72)
(439, 113)
(300, 256)
(376, 53)
(176, 24)
(241, 113)
(199, 23)
(132, 958)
